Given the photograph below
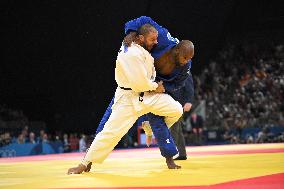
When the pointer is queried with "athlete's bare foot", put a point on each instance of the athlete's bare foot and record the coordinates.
(171, 164)
(77, 170)
(89, 166)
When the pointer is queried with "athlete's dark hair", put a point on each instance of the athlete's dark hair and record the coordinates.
(146, 29)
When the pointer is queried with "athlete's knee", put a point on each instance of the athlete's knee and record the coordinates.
(155, 120)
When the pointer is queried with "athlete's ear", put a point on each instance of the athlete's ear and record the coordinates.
(176, 51)
(141, 38)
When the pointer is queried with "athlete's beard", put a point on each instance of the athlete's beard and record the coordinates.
(146, 47)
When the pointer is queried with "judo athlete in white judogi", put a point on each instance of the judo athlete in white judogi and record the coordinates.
(137, 94)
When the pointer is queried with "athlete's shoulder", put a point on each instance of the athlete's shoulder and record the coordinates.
(136, 49)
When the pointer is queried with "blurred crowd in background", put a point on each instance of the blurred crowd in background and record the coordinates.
(243, 87)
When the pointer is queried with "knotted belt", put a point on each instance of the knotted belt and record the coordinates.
(140, 94)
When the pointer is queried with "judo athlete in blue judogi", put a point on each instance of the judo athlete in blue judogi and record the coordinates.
(173, 74)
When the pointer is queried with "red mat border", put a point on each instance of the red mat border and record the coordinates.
(275, 181)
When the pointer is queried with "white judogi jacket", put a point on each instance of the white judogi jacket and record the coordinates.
(134, 69)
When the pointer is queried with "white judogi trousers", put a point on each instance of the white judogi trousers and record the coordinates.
(125, 111)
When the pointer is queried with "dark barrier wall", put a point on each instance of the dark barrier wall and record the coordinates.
(13, 150)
